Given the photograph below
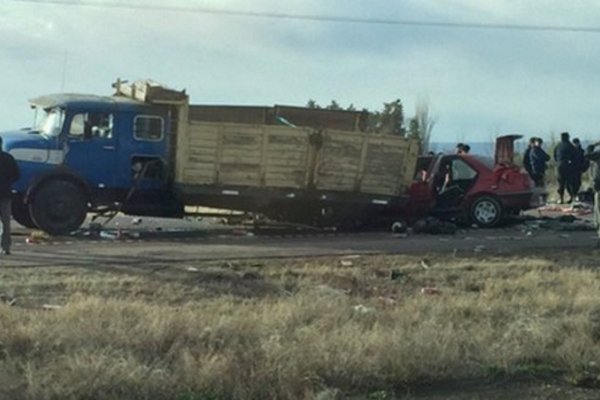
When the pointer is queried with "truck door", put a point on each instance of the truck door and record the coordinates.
(90, 147)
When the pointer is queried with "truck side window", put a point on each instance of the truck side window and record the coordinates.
(77, 126)
(148, 127)
(89, 125)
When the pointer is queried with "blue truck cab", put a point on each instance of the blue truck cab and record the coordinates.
(91, 153)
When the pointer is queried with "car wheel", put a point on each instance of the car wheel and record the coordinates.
(59, 207)
(486, 211)
(20, 213)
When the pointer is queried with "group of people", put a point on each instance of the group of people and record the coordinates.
(571, 163)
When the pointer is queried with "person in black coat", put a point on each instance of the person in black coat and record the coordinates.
(580, 165)
(564, 154)
(538, 159)
(9, 174)
(527, 157)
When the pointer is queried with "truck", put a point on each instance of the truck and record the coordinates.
(146, 151)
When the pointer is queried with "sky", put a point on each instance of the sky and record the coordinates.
(477, 83)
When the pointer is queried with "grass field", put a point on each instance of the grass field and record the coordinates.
(356, 327)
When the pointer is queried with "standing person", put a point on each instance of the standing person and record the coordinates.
(538, 159)
(563, 155)
(527, 157)
(580, 165)
(9, 174)
(593, 157)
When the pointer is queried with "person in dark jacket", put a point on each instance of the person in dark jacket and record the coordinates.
(527, 158)
(564, 154)
(9, 174)
(580, 165)
(593, 157)
(538, 159)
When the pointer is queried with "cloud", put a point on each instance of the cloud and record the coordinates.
(478, 82)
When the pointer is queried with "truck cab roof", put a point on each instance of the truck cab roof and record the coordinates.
(75, 100)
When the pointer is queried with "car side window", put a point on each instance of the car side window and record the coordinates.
(462, 171)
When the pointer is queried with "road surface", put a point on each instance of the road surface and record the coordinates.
(149, 246)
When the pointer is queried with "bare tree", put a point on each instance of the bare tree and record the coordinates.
(422, 124)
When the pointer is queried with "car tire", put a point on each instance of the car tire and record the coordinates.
(58, 207)
(486, 211)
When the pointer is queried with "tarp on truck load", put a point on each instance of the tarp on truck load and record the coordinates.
(265, 156)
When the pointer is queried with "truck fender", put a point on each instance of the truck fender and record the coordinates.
(60, 173)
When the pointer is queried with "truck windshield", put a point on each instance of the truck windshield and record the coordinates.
(49, 122)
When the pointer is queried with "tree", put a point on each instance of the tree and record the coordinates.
(312, 104)
(334, 106)
(422, 124)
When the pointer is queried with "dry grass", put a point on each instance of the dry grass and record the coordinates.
(292, 329)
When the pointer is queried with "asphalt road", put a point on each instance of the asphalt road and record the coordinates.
(155, 242)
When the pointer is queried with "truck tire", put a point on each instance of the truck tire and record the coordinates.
(486, 211)
(58, 207)
(21, 214)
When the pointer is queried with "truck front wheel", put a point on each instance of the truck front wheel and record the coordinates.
(58, 207)
(20, 213)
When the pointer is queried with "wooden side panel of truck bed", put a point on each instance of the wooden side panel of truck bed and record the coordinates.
(268, 156)
(366, 163)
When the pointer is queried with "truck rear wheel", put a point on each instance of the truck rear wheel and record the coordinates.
(21, 214)
(58, 207)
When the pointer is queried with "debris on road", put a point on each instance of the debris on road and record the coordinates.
(478, 249)
(399, 227)
(36, 237)
(434, 226)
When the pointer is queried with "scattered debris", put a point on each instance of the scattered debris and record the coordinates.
(8, 300)
(478, 249)
(329, 291)
(192, 269)
(37, 237)
(430, 290)
(136, 221)
(346, 263)
(399, 227)
(396, 274)
(51, 307)
(362, 309)
(425, 264)
(434, 226)
(385, 301)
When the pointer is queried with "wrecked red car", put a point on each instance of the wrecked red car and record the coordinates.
(473, 188)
